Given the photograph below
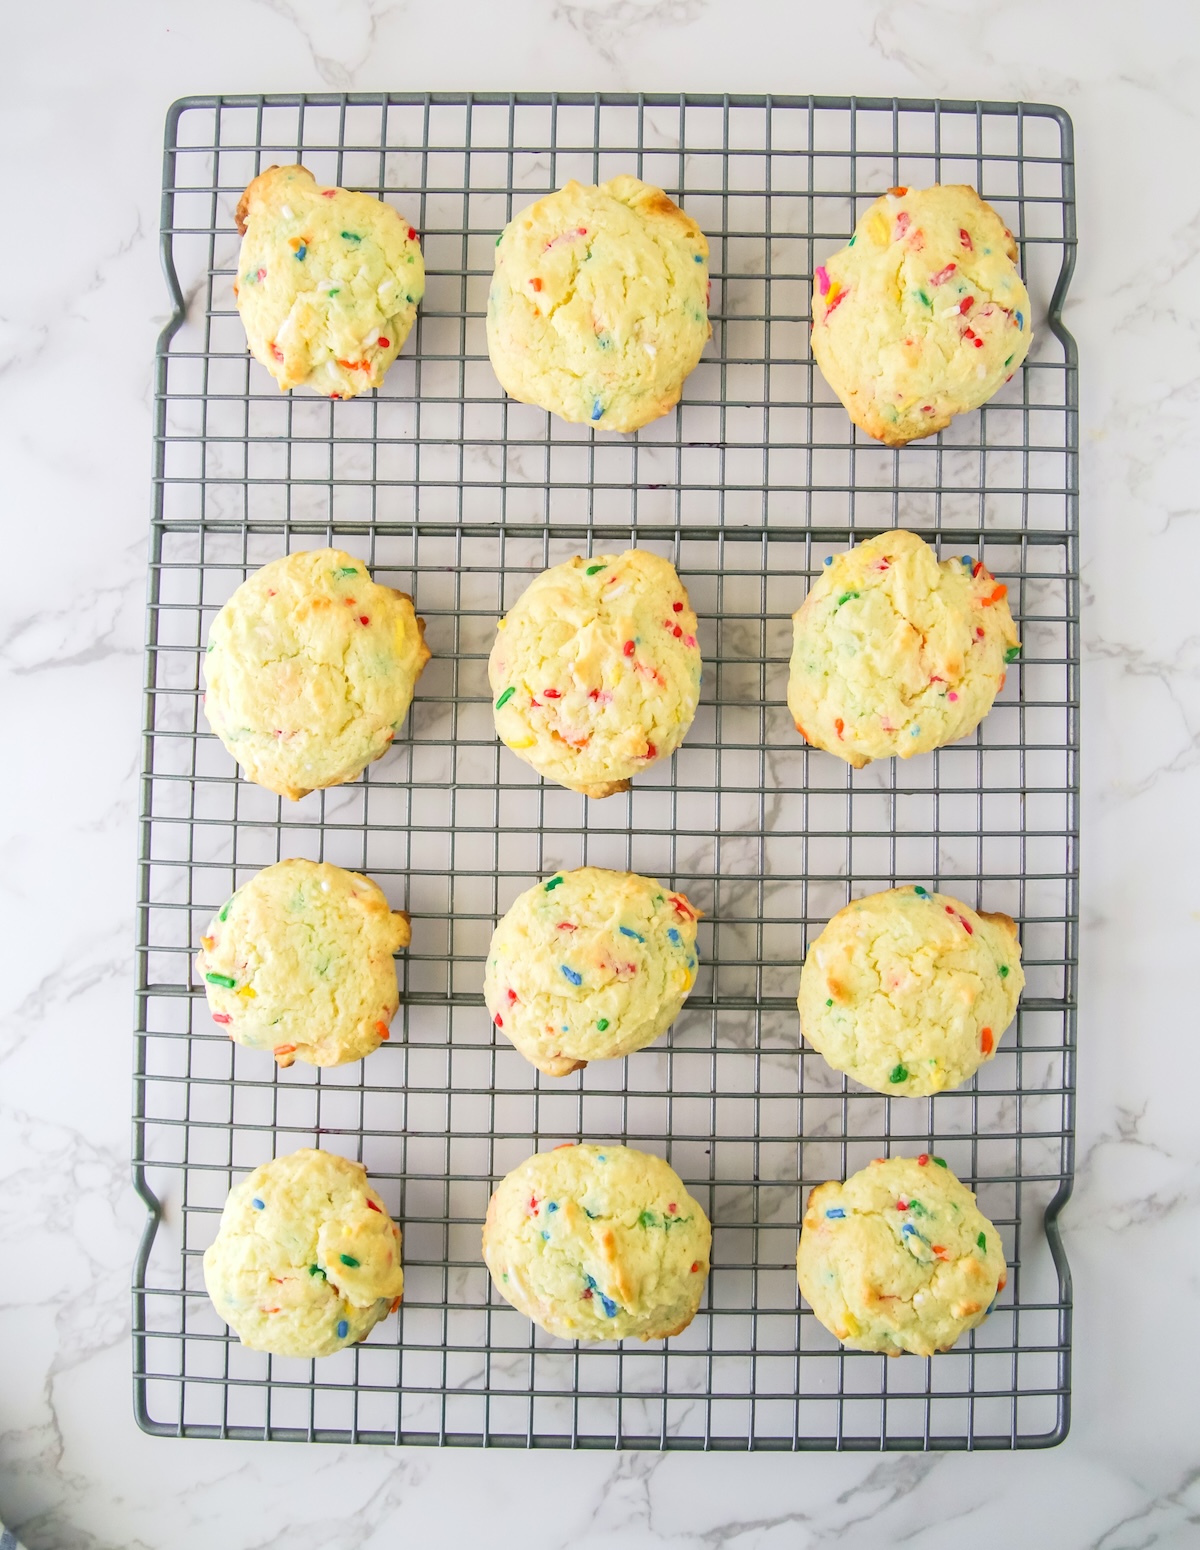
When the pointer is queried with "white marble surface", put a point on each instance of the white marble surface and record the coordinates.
(86, 88)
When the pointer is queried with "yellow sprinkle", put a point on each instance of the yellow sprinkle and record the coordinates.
(877, 230)
(248, 992)
(208, 943)
(831, 294)
(525, 742)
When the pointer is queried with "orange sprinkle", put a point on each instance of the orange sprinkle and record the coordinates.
(382, 1029)
(839, 726)
(1000, 591)
(350, 365)
(986, 1042)
(897, 193)
(284, 1049)
(208, 943)
(940, 1251)
(536, 283)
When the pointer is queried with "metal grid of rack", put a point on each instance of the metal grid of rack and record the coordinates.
(458, 496)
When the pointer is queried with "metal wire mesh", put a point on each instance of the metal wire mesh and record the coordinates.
(459, 497)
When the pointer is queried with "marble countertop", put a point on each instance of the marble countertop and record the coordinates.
(82, 301)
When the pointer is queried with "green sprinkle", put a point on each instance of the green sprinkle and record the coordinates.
(921, 296)
(845, 598)
(982, 1242)
(898, 1074)
(333, 291)
(917, 1208)
(499, 240)
(224, 915)
(646, 1219)
(918, 889)
(829, 1002)
(505, 697)
(941, 1161)
(348, 1259)
(1009, 361)
(1012, 653)
(315, 1270)
(347, 570)
(1003, 971)
(852, 241)
(221, 979)
(351, 236)
(602, 1024)
(592, 569)
(553, 883)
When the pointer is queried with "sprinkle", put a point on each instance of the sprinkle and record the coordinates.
(208, 942)
(821, 276)
(845, 598)
(301, 250)
(602, 1024)
(412, 236)
(248, 993)
(942, 275)
(348, 1259)
(829, 1002)
(695, 1266)
(898, 192)
(276, 352)
(382, 1029)
(512, 996)
(672, 935)
(347, 570)
(678, 607)
(505, 697)
(1003, 971)
(259, 1205)
(351, 236)
(553, 883)
(941, 1161)
(576, 979)
(586, 1296)
(836, 1213)
(898, 1074)
(829, 559)
(593, 569)
(964, 237)
(909, 1231)
(610, 1306)
(498, 1020)
(672, 1208)
(919, 890)
(384, 344)
(364, 619)
(371, 1206)
(986, 1042)
(835, 298)
(951, 696)
(315, 1270)
(536, 283)
(923, 1159)
(343, 1329)
(628, 648)
(1012, 653)
(545, 1236)
(284, 1049)
(221, 979)
(916, 732)
(553, 1206)
(551, 694)
(940, 1251)
(597, 410)
(1020, 320)
(925, 301)
(902, 1205)
(625, 931)
(982, 1241)
(839, 726)
(646, 1219)
(651, 751)
(1009, 361)
(221, 1017)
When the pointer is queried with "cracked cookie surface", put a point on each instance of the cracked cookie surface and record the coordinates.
(590, 965)
(909, 992)
(922, 315)
(310, 671)
(299, 962)
(597, 1242)
(894, 654)
(595, 670)
(899, 1257)
(306, 1260)
(598, 308)
(328, 282)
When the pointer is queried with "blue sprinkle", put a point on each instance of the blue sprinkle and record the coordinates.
(967, 560)
(601, 1158)
(589, 1283)
(576, 979)
(691, 963)
(590, 1214)
(610, 1306)
(1020, 320)
(545, 1236)
(564, 1029)
(553, 1206)
(625, 931)
(259, 1205)
(697, 258)
(915, 732)
(343, 1329)
(301, 251)
(829, 559)
(673, 935)
(908, 1230)
(597, 410)
(837, 1213)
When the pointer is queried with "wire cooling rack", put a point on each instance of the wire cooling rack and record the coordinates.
(458, 496)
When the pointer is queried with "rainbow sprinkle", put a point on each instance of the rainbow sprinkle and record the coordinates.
(315, 1270)
(348, 1259)
(505, 697)
(898, 1074)
(625, 931)
(221, 979)
(1003, 971)
(343, 1329)
(259, 1205)
(1012, 653)
(836, 1213)
(597, 410)
(553, 883)
(602, 1024)
(982, 1242)
(592, 569)
(673, 935)
(576, 979)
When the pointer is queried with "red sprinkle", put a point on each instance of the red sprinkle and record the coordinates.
(533, 1204)
(593, 694)
(672, 1208)
(412, 235)
(902, 1205)
(940, 1251)
(587, 1296)
(498, 1020)
(371, 1206)
(512, 996)
(986, 1042)
(565, 925)
(942, 275)
(277, 352)
(977, 567)
(836, 302)
(978, 633)
(221, 1017)
(364, 619)
(923, 1159)
(678, 607)
(629, 648)
(328, 193)
(382, 1029)
(903, 222)
(695, 1266)
(651, 751)
(677, 633)
(384, 344)
(536, 283)
(964, 236)
(551, 694)
(966, 304)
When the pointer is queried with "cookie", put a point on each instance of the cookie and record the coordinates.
(596, 670)
(299, 962)
(328, 282)
(922, 315)
(894, 654)
(909, 991)
(590, 965)
(306, 1260)
(598, 1243)
(598, 308)
(310, 671)
(899, 1257)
